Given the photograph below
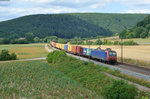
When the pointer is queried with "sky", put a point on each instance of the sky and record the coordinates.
(10, 9)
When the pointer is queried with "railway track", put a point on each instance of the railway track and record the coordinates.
(135, 68)
(132, 70)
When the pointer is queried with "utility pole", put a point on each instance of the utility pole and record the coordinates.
(121, 50)
(89, 49)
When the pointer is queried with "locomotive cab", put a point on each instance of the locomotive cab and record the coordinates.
(112, 56)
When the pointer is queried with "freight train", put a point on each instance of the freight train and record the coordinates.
(103, 55)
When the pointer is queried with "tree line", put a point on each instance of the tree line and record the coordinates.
(140, 30)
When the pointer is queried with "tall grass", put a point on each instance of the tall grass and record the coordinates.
(37, 79)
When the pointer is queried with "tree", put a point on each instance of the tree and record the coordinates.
(62, 41)
(29, 37)
(144, 35)
(5, 41)
(36, 39)
(98, 42)
(4, 55)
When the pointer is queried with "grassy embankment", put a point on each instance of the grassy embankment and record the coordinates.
(37, 79)
(90, 75)
(26, 51)
(67, 78)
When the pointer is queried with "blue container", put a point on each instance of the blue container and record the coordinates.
(84, 51)
(66, 47)
(99, 54)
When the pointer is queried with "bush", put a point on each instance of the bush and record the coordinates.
(55, 56)
(131, 42)
(4, 55)
(119, 90)
(24, 41)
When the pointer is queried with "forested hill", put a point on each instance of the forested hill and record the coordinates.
(114, 22)
(60, 25)
(140, 30)
(69, 25)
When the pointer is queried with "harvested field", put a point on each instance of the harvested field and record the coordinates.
(25, 51)
(134, 53)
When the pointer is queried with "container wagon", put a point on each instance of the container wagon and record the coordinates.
(79, 50)
(66, 47)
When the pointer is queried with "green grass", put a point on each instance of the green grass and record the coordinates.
(89, 74)
(37, 79)
(26, 51)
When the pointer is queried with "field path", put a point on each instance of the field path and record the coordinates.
(41, 58)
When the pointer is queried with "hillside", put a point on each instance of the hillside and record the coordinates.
(114, 22)
(69, 25)
(140, 30)
(60, 25)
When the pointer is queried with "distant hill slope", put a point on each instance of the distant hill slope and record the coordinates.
(114, 22)
(61, 25)
(69, 25)
(140, 30)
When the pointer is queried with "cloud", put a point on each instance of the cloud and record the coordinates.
(138, 11)
(16, 8)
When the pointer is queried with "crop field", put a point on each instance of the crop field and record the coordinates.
(136, 53)
(137, 40)
(37, 79)
(26, 51)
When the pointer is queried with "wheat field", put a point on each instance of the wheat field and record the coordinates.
(26, 51)
(140, 52)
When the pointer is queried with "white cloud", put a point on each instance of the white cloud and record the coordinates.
(25, 7)
(138, 11)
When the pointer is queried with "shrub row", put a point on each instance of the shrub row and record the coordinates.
(89, 75)
(4, 56)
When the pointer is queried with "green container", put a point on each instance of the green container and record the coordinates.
(89, 51)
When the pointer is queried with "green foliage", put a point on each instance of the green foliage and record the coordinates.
(119, 90)
(36, 39)
(114, 22)
(5, 41)
(88, 42)
(131, 42)
(77, 41)
(39, 80)
(63, 41)
(141, 30)
(90, 76)
(117, 43)
(60, 25)
(4, 56)
(47, 39)
(29, 37)
(98, 42)
(107, 42)
(55, 56)
(16, 41)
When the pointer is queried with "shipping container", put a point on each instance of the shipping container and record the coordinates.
(99, 54)
(66, 47)
(88, 51)
(54, 44)
(58, 45)
(69, 48)
(62, 46)
(84, 51)
(79, 50)
(74, 49)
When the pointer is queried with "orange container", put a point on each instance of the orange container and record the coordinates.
(74, 49)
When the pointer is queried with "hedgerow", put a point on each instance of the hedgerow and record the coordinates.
(90, 76)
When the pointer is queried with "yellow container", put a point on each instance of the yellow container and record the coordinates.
(57, 45)
(62, 46)
(69, 48)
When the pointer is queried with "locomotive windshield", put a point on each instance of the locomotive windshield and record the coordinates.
(112, 53)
